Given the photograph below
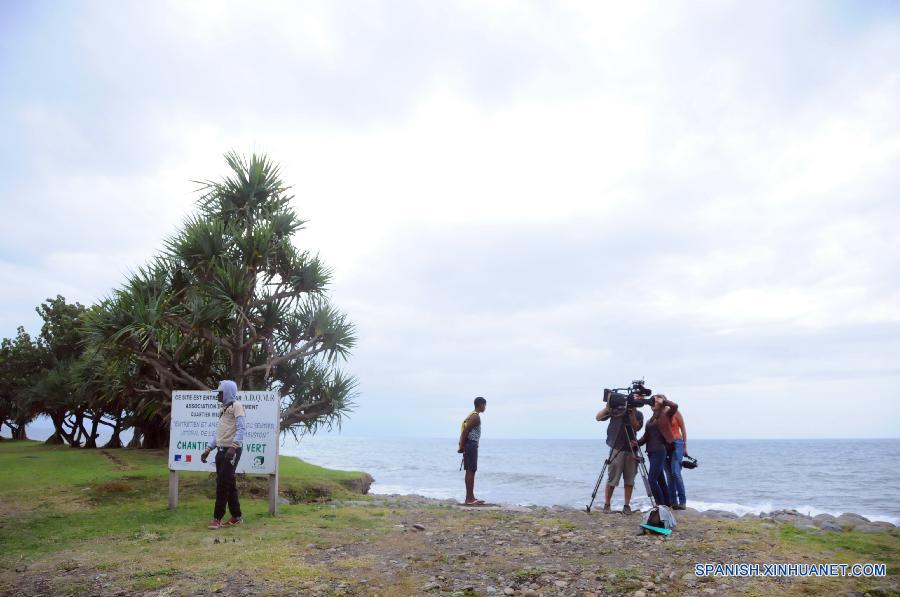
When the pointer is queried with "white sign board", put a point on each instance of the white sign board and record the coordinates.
(195, 416)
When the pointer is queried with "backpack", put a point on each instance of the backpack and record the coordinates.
(659, 517)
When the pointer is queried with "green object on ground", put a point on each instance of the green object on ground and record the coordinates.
(659, 530)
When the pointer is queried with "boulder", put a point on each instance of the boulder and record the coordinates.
(820, 519)
(830, 526)
(719, 514)
(849, 520)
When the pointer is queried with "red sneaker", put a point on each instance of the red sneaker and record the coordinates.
(215, 524)
(233, 522)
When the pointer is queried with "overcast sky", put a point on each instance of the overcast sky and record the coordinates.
(525, 201)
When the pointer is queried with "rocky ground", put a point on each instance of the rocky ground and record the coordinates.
(426, 547)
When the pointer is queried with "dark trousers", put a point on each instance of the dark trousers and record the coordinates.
(657, 479)
(226, 486)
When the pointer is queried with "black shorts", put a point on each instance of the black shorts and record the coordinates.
(470, 455)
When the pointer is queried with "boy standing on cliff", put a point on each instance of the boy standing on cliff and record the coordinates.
(227, 443)
(468, 446)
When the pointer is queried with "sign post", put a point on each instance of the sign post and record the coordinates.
(195, 417)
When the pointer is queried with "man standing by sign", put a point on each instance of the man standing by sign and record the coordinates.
(227, 443)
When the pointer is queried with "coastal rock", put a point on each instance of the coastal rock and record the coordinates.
(719, 514)
(848, 520)
(820, 519)
(830, 526)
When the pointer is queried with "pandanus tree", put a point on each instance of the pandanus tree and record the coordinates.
(231, 297)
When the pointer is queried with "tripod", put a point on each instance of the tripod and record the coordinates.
(630, 436)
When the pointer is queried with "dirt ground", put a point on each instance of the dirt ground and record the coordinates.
(423, 547)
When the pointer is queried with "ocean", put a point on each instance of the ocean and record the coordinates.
(740, 476)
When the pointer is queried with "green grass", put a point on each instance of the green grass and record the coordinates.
(56, 497)
(850, 546)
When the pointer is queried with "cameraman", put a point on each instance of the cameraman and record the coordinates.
(622, 460)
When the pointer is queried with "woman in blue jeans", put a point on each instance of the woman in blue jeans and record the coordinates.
(657, 437)
(677, 497)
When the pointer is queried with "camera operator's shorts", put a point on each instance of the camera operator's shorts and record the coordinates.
(470, 455)
(622, 464)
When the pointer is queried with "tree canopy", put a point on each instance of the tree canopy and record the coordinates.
(229, 296)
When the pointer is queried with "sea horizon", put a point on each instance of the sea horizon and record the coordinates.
(742, 476)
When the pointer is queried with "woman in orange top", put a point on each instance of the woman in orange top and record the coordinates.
(677, 497)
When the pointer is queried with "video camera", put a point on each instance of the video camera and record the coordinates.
(628, 397)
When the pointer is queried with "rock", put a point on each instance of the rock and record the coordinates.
(868, 528)
(884, 524)
(418, 527)
(639, 593)
(530, 593)
(561, 584)
(849, 520)
(803, 523)
(719, 514)
(509, 591)
(689, 576)
(820, 519)
(431, 586)
(830, 526)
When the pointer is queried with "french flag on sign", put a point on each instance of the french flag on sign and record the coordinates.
(178, 458)
(187, 458)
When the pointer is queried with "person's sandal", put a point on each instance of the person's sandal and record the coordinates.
(607, 508)
(626, 509)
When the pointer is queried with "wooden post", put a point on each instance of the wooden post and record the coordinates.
(173, 489)
(273, 494)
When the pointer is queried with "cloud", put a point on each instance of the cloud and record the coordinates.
(526, 201)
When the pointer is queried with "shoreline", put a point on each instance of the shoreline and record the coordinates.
(738, 510)
(845, 521)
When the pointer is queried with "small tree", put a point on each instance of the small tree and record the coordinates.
(22, 361)
(231, 297)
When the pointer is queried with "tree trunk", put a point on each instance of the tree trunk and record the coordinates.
(59, 436)
(19, 432)
(156, 436)
(91, 442)
(115, 441)
(136, 439)
(55, 440)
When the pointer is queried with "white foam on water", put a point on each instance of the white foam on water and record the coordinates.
(766, 507)
(428, 492)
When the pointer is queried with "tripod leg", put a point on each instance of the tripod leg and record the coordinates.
(597, 486)
(641, 466)
(646, 479)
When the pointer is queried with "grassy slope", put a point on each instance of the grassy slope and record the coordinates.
(64, 507)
